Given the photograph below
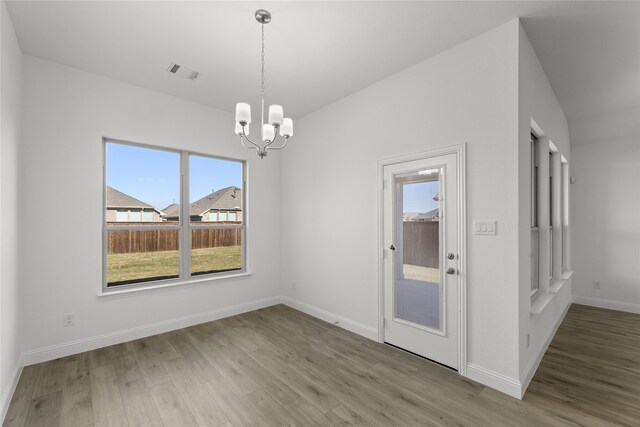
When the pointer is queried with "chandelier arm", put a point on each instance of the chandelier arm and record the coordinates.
(255, 146)
(278, 148)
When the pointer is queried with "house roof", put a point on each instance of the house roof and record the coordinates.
(171, 210)
(229, 198)
(118, 199)
(435, 213)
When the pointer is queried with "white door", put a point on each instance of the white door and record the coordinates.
(421, 259)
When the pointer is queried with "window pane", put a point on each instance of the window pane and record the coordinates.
(122, 215)
(215, 250)
(141, 255)
(418, 287)
(141, 179)
(215, 185)
(135, 216)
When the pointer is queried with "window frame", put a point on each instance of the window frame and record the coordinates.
(534, 187)
(564, 218)
(183, 224)
(552, 213)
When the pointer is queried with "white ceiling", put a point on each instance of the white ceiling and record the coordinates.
(318, 52)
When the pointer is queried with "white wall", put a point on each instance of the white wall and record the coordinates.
(537, 101)
(606, 223)
(10, 302)
(66, 113)
(329, 186)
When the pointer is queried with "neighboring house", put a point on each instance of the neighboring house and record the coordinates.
(432, 215)
(123, 208)
(224, 205)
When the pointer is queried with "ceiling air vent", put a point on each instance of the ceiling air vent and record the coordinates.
(182, 71)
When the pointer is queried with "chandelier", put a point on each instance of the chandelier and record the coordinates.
(276, 123)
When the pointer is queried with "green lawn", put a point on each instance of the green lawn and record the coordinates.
(163, 264)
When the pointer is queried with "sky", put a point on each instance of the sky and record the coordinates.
(153, 176)
(418, 197)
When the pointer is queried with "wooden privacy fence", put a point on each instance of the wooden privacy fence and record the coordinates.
(420, 243)
(128, 241)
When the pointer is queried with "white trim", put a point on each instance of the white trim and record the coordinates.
(540, 302)
(462, 249)
(532, 367)
(86, 344)
(556, 285)
(605, 303)
(131, 290)
(495, 380)
(348, 324)
(8, 393)
(460, 152)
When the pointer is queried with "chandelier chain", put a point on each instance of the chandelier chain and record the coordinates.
(262, 82)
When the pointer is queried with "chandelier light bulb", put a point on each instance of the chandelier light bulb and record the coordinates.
(243, 113)
(286, 130)
(275, 115)
(239, 129)
(268, 132)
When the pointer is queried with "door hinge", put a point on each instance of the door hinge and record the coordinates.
(384, 322)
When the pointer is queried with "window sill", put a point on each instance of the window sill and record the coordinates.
(133, 291)
(556, 285)
(566, 275)
(540, 302)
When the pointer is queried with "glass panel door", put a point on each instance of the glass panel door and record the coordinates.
(418, 229)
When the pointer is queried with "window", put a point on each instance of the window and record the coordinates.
(551, 211)
(216, 245)
(535, 236)
(565, 215)
(122, 215)
(135, 216)
(173, 233)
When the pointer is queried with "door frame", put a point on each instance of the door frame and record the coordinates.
(461, 163)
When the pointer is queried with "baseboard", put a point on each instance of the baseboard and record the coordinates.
(8, 393)
(343, 322)
(532, 367)
(495, 380)
(78, 346)
(605, 303)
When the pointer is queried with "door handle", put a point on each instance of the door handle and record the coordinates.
(451, 270)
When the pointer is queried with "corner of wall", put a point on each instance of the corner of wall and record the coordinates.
(10, 142)
(537, 102)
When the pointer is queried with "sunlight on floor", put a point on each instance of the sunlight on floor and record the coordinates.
(424, 274)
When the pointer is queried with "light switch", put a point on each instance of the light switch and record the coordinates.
(484, 227)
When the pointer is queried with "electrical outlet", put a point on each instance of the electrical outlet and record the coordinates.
(68, 320)
(596, 285)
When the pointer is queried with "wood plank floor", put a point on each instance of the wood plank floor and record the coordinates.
(278, 367)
